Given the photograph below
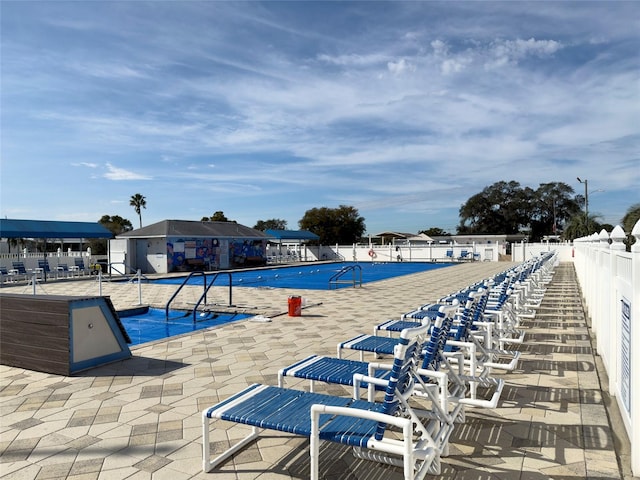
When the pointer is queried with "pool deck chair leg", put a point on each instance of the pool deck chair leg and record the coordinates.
(208, 465)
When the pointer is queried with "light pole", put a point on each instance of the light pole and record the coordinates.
(586, 203)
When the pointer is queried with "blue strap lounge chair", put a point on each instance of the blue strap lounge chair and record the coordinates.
(43, 267)
(464, 255)
(19, 270)
(467, 336)
(78, 266)
(341, 371)
(5, 276)
(452, 387)
(63, 269)
(360, 424)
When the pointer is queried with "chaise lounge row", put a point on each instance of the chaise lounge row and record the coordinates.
(436, 360)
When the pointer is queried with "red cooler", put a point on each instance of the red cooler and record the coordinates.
(295, 306)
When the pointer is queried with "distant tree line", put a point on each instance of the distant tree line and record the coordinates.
(502, 208)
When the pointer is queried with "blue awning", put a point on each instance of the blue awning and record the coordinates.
(50, 229)
(293, 235)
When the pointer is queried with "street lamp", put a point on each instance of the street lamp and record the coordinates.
(586, 202)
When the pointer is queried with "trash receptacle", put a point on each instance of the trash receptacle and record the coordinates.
(295, 306)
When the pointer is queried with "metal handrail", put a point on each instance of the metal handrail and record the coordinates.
(184, 282)
(204, 295)
(335, 278)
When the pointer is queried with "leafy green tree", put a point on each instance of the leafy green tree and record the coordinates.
(506, 207)
(342, 225)
(577, 226)
(500, 208)
(218, 216)
(554, 205)
(434, 232)
(629, 221)
(271, 224)
(116, 224)
(15, 242)
(138, 202)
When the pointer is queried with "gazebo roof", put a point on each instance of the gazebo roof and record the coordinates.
(301, 235)
(190, 228)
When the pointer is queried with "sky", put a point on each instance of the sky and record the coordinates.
(264, 110)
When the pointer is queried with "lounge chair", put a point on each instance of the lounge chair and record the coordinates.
(371, 428)
(43, 268)
(464, 255)
(78, 266)
(63, 269)
(470, 336)
(341, 371)
(5, 276)
(19, 270)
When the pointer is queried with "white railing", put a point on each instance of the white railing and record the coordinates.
(54, 259)
(523, 251)
(610, 280)
(402, 253)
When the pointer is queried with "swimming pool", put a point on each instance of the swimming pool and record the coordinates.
(312, 277)
(148, 325)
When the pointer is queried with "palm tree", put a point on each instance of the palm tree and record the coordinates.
(628, 222)
(137, 202)
(578, 226)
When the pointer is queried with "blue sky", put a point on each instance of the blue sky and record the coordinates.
(402, 110)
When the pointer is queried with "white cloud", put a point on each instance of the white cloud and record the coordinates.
(85, 164)
(400, 67)
(439, 47)
(450, 66)
(353, 60)
(504, 52)
(120, 174)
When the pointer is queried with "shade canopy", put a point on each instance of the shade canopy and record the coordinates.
(50, 229)
(293, 235)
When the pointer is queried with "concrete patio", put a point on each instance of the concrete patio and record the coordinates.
(141, 418)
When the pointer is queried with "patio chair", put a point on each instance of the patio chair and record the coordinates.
(454, 388)
(63, 269)
(19, 270)
(450, 254)
(341, 371)
(371, 428)
(78, 266)
(470, 336)
(43, 267)
(5, 276)
(475, 337)
(464, 255)
(431, 384)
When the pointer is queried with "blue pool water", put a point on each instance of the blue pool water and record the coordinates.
(312, 277)
(152, 325)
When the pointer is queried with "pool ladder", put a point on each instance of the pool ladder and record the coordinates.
(356, 276)
(203, 297)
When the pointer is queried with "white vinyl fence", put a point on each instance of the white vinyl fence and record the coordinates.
(610, 281)
(403, 253)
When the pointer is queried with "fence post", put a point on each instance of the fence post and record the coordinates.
(613, 309)
(139, 275)
(635, 340)
(602, 286)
